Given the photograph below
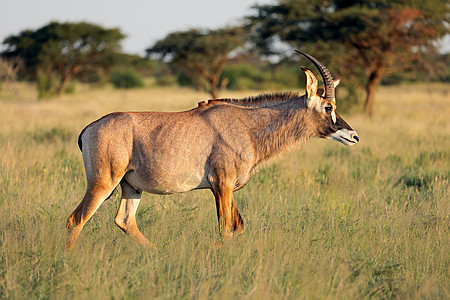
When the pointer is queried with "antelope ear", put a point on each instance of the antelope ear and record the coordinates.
(311, 87)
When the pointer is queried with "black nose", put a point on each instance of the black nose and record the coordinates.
(356, 138)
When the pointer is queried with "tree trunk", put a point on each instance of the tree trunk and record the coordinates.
(224, 84)
(62, 85)
(213, 85)
(372, 84)
(66, 76)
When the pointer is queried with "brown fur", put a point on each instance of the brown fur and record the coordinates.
(215, 146)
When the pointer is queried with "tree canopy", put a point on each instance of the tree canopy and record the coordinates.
(63, 49)
(200, 54)
(376, 36)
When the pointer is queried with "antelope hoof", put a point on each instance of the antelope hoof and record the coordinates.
(147, 244)
(239, 231)
(217, 245)
(228, 235)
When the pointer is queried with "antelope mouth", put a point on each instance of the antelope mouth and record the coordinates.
(344, 136)
(353, 142)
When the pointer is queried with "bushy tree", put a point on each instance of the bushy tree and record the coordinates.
(126, 78)
(63, 49)
(200, 54)
(371, 38)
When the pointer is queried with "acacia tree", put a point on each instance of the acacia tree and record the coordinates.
(200, 54)
(63, 49)
(378, 36)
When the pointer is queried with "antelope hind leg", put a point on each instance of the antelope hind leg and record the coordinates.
(126, 215)
(94, 197)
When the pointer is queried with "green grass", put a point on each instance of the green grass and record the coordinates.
(326, 222)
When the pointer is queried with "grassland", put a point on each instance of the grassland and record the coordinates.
(326, 222)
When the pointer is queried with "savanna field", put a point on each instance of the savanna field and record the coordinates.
(326, 222)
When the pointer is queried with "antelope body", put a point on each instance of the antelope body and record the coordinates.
(215, 146)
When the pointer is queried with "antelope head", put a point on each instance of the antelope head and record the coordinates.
(322, 103)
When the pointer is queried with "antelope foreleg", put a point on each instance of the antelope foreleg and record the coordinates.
(224, 197)
(238, 222)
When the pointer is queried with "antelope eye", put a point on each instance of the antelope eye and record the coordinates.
(328, 108)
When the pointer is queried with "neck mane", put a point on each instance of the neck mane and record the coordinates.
(277, 122)
(263, 100)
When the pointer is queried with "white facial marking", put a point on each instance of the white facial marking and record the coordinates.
(333, 116)
(344, 136)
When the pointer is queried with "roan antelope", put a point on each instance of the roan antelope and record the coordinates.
(215, 146)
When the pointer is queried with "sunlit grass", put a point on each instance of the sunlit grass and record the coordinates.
(370, 221)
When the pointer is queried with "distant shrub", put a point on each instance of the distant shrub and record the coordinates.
(166, 80)
(126, 79)
(245, 76)
(70, 88)
(45, 85)
(183, 80)
(287, 76)
(94, 76)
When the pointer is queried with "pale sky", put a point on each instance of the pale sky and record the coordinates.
(143, 22)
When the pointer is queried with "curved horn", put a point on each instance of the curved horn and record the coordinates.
(326, 76)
